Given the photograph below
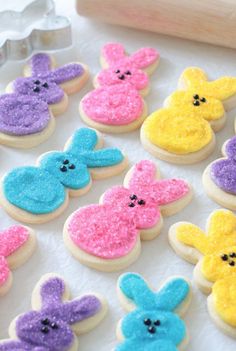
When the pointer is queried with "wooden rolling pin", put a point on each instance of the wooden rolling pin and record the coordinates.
(211, 21)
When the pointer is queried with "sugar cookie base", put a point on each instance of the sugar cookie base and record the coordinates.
(116, 129)
(215, 193)
(4, 288)
(189, 158)
(78, 328)
(224, 327)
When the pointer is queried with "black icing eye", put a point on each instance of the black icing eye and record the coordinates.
(196, 103)
(157, 322)
(131, 204)
(72, 166)
(203, 99)
(122, 77)
(128, 73)
(141, 202)
(232, 263)
(147, 321)
(224, 257)
(37, 82)
(36, 89)
(133, 197)
(65, 162)
(152, 330)
(63, 169)
(45, 85)
(232, 254)
(45, 330)
(54, 325)
(117, 71)
(45, 321)
(196, 96)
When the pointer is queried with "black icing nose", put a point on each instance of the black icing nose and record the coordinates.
(151, 325)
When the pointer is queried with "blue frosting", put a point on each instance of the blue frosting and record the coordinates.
(168, 330)
(41, 189)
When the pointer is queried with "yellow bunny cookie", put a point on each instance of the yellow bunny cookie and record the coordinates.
(183, 131)
(215, 255)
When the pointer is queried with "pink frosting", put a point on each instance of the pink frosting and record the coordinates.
(110, 230)
(117, 101)
(116, 104)
(11, 239)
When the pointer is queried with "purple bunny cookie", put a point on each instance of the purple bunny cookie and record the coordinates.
(53, 322)
(219, 178)
(27, 110)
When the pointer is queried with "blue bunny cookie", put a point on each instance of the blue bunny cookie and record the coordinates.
(37, 194)
(54, 322)
(153, 323)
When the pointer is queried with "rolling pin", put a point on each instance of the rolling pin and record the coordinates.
(210, 21)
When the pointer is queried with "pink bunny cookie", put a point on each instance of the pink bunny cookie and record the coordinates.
(107, 236)
(17, 244)
(116, 105)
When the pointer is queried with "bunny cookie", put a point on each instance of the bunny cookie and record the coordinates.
(116, 105)
(106, 236)
(153, 322)
(27, 111)
(17, 244)
(54, 321)
(41, 193)
(183, 131)
(215, 255)
(219, 178)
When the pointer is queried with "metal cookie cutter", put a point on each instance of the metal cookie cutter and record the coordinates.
(36, 27)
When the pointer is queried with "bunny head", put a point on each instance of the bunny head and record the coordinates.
(123, 69)
(153, 317)
(195, 80)
(71, 167)
(223, 171)
(217, 247)
(52, 326)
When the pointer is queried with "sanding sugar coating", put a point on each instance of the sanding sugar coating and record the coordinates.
(51, 328)
(26, 111)
(223, 172)
(117, 100)
(111, 230)
(11, 240)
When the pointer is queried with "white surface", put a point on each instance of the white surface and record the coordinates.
(157, 261)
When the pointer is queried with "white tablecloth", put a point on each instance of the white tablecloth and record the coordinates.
(157, 261)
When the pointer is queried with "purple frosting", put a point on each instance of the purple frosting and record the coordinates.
(50, 328)
(22, 115)
(223, 172)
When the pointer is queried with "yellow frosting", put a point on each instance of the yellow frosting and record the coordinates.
(181, 127)
(224, 299)
(195, 78)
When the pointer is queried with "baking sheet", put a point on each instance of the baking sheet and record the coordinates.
(157, 261)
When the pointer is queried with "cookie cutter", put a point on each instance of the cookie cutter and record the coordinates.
(36, 27)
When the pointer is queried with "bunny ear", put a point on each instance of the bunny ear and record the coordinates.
(189, 234)
(40, 64)
(230, 148)
(192, 76)
(134, 288)
(113, 52)
(4, 271)
(66, 73)
(222, 88)
(143, 174)
(51, 291)
(83, 139)
(80, 309)
(144, 57)
(12, 239)
(103, 158)
(172, 294)
(169, 190)
(215, 221)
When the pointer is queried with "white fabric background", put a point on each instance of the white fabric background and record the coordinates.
(157, 261)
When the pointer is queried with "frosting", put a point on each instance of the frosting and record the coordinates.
(224, 299)
(15, 118)
(117, 101)
(111, 230)
(116, 104)
(223, 172)
(152, 324)
(182, 127)
(41, 190)
(11, 240)
(51, 328)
